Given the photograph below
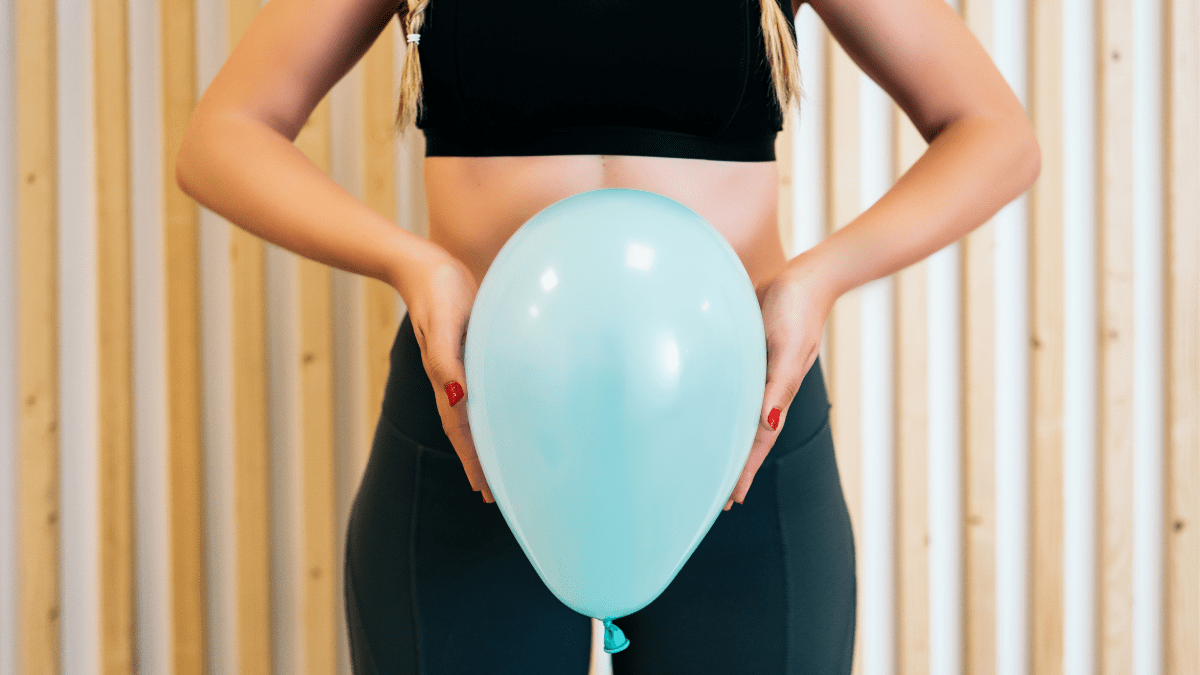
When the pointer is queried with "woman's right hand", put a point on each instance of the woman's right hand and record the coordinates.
(439, 291)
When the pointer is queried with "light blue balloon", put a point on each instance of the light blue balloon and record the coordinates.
(615, 364)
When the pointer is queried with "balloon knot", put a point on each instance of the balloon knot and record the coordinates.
(614, 639)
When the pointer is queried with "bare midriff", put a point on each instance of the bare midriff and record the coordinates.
(476, 203)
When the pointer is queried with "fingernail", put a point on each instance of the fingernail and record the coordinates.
(773, 418)
(454, 392)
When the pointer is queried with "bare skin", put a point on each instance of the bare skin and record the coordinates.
(476, 203)
(238, 159)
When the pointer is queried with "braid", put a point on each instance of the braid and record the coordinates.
(412, 17)
(781, 52)
(785, 68)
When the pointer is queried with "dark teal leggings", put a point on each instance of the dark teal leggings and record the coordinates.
(436, 583)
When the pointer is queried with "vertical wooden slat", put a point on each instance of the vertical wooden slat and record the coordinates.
(37, 300)
(1115, 114)
(843, 346)
(979, 433)
(912, 438)
(115, 338)
(979, 386)
(783, 165)
(380, 315)
(181, 274)
(315, 307)
(1182, 176)
(1046, 287)
(251, 478)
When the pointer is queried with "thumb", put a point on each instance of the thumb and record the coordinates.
(443, 362)
(445, 367)
(785, 374)
(777, 398)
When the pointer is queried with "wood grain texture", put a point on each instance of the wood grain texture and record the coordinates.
(783, 167)
(314, 285)
(250, 444)
(979, 522)
(380, 308)
(979, 430)
(1115, 236)
(114, 362)
(1046, 302)
(1182, 179)
(843, 382)
(39, 593)
(912, 438)
(181, 307)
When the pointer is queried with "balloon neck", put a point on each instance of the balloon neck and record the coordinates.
(614, 639)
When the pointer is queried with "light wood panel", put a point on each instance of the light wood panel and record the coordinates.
(251, 472)
(912, 438)
(314, 285)
(1047, 360)
(841, 168)
(37, 339)
(380, 311)
(979, 522)
(1115, 236)
(181, 278)
(979, 430)
(1182, 180)
(783, 166)
(114, 362)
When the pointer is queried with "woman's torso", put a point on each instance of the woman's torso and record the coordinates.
(694, 71)
(476, 203)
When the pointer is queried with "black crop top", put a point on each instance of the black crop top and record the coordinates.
(613, 77)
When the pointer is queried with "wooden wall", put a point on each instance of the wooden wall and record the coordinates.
(187, 409)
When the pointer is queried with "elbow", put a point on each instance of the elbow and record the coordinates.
(183, 165)
(190, 157)
(1032, 158)
(1028, 160)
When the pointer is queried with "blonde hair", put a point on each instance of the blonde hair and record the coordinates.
(781, 53)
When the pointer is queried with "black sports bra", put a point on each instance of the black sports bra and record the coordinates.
(614, 77)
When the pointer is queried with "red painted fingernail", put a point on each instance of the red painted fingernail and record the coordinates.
(773, 418)
(454, 392)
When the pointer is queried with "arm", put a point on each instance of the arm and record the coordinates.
(237, 156)
(981, 155)
(982, 152)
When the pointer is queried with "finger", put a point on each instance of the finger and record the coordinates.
(443, 363)
(784, 376)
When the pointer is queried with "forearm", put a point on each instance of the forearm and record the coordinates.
(969, 172)
(259, 180)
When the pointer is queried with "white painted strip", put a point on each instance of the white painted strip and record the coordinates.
(348, 396)
(944, 466)
(151, 482)
(1012, 359)
(77, 337)
(1080, 329)
(808, 170)
(944, 319)
(217, 375)
(285, 463)
(876, 418)
(1148, 339)
(9, 433)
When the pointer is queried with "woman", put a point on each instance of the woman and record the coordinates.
(523, 104)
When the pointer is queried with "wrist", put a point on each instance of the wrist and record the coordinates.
(409, 255)
(816, 269)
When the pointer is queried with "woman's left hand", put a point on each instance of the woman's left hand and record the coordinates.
(794, 307)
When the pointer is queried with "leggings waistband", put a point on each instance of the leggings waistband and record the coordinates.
(410, 402)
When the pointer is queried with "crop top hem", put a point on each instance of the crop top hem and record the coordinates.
(600, 140)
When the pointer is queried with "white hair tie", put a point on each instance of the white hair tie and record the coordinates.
(414, 37)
